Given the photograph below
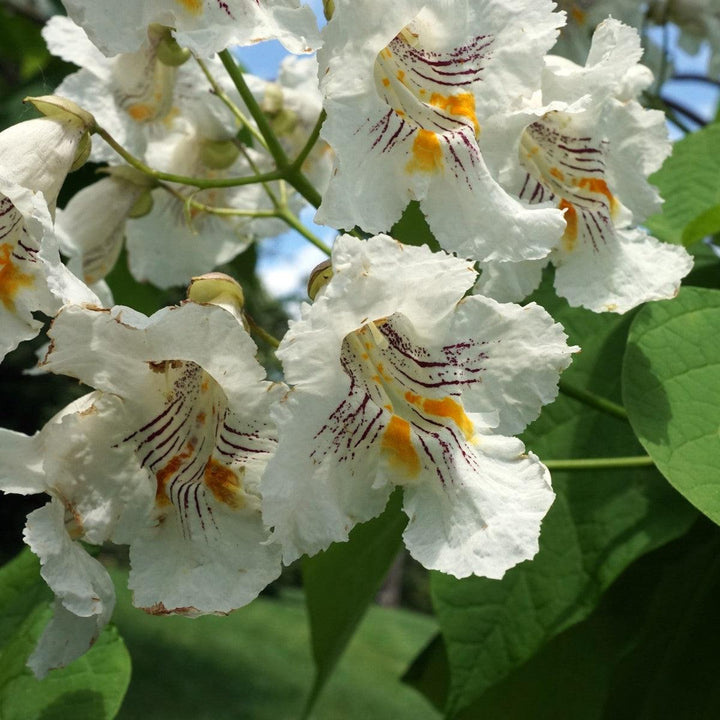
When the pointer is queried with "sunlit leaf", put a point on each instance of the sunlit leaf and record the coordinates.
(671, 387)
(690, 184)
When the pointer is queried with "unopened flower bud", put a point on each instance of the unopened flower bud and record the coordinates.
(217, 288)
(143, 205)
(169, 52)
(218, 154)
(272, 102)
(63, 110)
(319, 278)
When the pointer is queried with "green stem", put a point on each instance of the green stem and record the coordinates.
(303, 186)
(201, 183)
(261, 332)
(289, 171)
(296, 225)
(273, 144)
(310, 144)
(613, 463)
(596, 401)
(234, 109)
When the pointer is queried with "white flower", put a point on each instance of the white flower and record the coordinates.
(192, 412)
(35, 157)
(98, 493)
(408, 87)
(173, 243)
(204, 26)
(91, 228)
(582, 18)
(578, 157)
(396, 386)
(134, 96)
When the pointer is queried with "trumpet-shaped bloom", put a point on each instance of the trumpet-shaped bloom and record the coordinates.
(134, 96)
(408, 87)
(577, 157)
(204, 26)
(175, 242)
(423, 390)
(583, 16)
(35, 157)
(98, 493)
(192, 413)
(91, 228)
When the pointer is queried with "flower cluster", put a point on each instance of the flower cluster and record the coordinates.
(407, 369)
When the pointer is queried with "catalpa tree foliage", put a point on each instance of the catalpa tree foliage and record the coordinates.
(496, 371)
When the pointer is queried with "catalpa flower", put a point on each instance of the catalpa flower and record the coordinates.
(192, 412)
(408, 87)
(583, 16)
(98, 492)
(133, 96)
(204, 26)
(35, 157)
(422, 390)
(175, 241)
(91, 228)
(577, 157)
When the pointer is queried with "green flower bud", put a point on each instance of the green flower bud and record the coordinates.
(319, 278)
(218, 154)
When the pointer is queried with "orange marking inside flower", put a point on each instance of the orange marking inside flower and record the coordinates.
(224, 484)
(401, 76)
(427, 153)
(194, 7)
(597, 185)
(462, 104)
(569, 238)
(165, 474)
(396, 440)
(578, 15)
(12, 280)
(558, 174)
(386, 81)
(445, 407)
(140, 112)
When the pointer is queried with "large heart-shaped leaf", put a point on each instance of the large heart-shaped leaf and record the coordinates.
(671, 389)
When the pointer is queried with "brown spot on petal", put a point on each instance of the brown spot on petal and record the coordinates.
(162, 366)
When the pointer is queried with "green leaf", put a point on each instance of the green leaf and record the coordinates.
(671, 387)
(707, 223)
(91, 688)
(601, 521)
(140, 296)
(672, 669)
(645, 651)
(412, 228)
(690, 183)
(341, 582)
